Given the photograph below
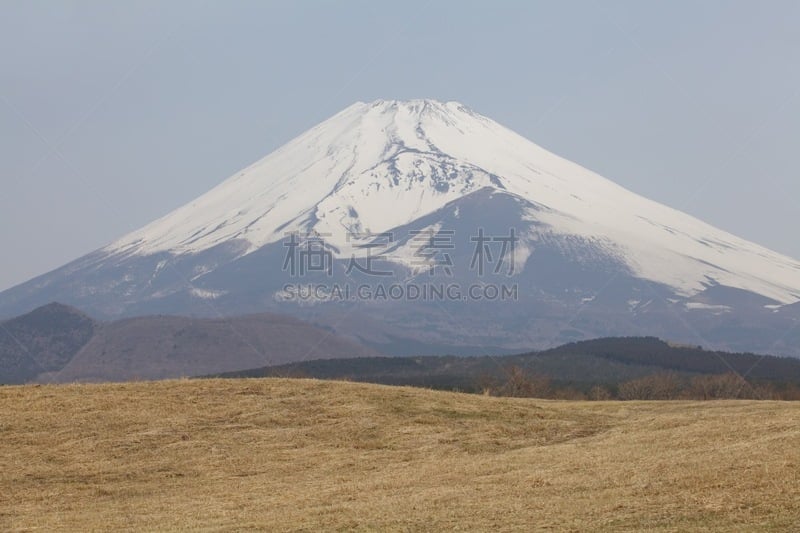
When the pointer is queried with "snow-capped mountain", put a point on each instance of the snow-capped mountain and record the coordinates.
(423, 188)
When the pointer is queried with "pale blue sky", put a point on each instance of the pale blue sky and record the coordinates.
(114, 113)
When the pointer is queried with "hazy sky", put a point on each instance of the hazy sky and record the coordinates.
(114, 113)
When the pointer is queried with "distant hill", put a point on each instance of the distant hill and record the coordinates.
(57, 343)
(44, 340)
(579, 365)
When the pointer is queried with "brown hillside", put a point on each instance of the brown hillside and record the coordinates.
(301, 455)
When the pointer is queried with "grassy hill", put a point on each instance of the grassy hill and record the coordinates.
(308, 455)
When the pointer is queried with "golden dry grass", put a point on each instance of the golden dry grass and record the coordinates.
(308, 455)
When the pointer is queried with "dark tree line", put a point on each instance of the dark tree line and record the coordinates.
(519, 382)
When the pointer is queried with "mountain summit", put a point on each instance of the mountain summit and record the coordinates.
(421, 187)
(375, 167)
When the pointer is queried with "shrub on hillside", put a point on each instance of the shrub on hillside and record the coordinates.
(719, 387)
(662, 386)
(521, 383)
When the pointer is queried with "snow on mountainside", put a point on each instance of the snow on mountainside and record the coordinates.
(378, 166)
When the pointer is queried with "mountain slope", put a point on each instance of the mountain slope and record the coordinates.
(414, 186)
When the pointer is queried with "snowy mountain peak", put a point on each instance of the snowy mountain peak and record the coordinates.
(418, 105)
(590, 259)
(378, 166)
(382, 151)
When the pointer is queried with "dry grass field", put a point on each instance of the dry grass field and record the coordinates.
(303, 455)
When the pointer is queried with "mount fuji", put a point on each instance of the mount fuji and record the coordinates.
(448, 209)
